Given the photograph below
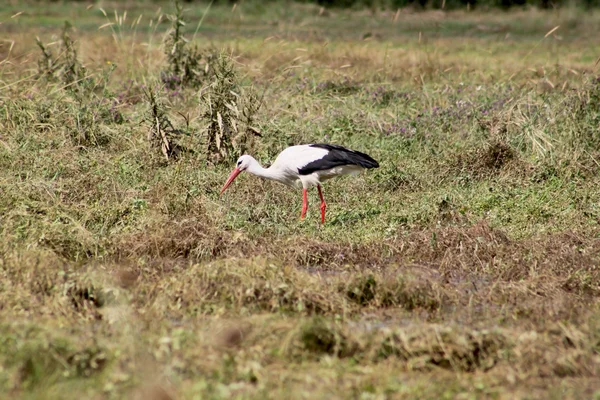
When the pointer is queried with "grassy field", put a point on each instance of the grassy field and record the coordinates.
(466, 266)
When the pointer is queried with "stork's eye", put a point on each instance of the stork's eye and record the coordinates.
(239, 163)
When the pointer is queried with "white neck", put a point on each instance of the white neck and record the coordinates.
(269, 173)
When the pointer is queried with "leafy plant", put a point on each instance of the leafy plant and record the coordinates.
(231, 111)
(187, 66)
(64, 67)
(72, 69)
(90, 103)
(47, 63)
(162, 133)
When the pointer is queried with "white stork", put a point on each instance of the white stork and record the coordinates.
(306, 166)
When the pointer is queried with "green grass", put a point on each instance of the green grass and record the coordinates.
(466, 266)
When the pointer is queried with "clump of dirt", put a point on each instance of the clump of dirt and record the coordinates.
(497, 155)
(484, 162)
(153, 392)
(232, 336)
(126, 278)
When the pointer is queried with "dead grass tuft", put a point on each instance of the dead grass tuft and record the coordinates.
(407, 288)
(476, 244)
(445, 347)
(84, 297)
(412, 292)
(320, 337)
(361, 289)
(174, 239)
(238, 284)
(329, 256)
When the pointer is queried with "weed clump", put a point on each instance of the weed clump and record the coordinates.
(48, 65)
(583, 107)
(88, 104)
(252, 286)
(230, 112)
(73, 70)
(186, 66)
(91, 115)
(162, 133)
(65, 67)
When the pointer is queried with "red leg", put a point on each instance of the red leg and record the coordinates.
(304, 203)
(323, 204)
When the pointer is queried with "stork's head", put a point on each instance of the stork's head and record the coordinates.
(242, 164)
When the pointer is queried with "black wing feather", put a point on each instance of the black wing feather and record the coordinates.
(337, 157)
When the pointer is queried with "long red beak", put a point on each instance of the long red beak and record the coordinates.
(236, 171)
